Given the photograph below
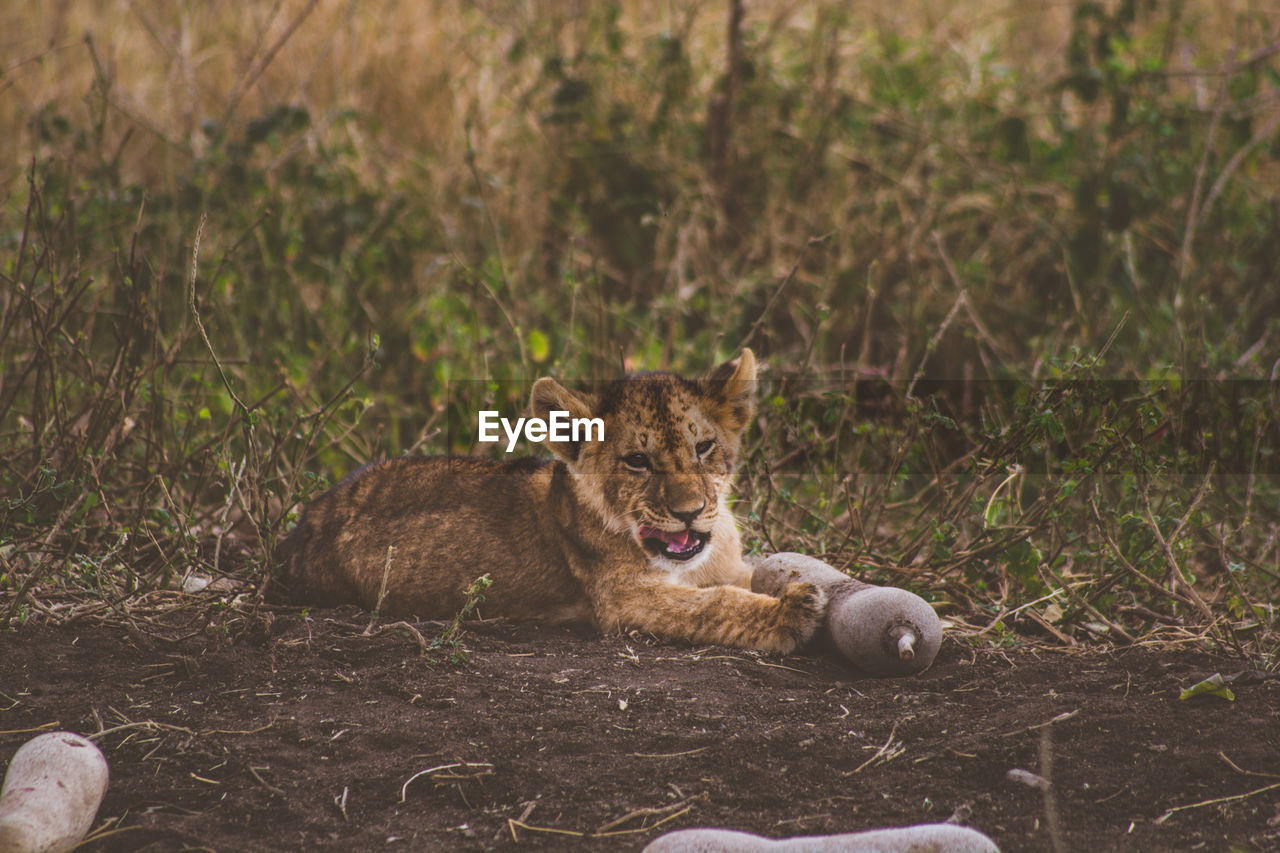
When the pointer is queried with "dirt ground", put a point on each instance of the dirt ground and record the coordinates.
(304, 734)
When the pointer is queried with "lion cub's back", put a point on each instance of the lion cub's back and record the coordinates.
(449, 520)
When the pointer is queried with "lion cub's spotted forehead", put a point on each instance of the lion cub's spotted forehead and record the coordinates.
(656, 411)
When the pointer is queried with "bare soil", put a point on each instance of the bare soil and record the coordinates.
(303, 734)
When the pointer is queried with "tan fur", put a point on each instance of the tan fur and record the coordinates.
(560, 539)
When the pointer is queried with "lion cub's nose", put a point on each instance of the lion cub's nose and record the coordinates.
(688, 515)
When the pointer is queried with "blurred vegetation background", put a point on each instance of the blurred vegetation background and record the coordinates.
(1015, 268)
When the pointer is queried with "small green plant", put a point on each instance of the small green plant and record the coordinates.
(451, 637)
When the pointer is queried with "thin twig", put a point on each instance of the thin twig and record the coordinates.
(195, 313)
(55, 724)
(148, 725)
(1194, 214)
(423, 645)
(978, 325)
(932, 345)
(382, 590)
(513, 823)
(253, 771)
(404, 789)
(1215, 801)
(1175, 571)
(254, 72)
(887, 751)
(657, 811)
(764, 312)
(670, 754)
(1234, 163)
(1240, 769)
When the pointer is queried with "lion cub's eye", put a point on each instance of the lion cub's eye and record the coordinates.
(636, 461)
(704, 447)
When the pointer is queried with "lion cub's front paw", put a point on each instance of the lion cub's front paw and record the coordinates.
(803, 606)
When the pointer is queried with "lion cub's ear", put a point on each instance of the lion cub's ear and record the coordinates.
(550, 396)
(732, 389)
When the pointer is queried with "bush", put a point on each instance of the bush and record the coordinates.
(1014, 276)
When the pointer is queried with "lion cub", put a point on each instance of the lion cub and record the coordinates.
(632, 531)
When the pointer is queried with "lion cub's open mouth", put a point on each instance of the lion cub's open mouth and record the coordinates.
(675, 545)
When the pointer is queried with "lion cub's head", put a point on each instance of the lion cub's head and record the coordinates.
(663, 471)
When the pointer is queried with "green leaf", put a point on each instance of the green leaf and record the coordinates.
(539, 346)
(1214, 685)
(1022, 559)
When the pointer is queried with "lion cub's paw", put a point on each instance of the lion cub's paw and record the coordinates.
(802, 607)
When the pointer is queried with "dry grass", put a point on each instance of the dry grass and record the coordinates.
(436, 79)
(899, 205)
